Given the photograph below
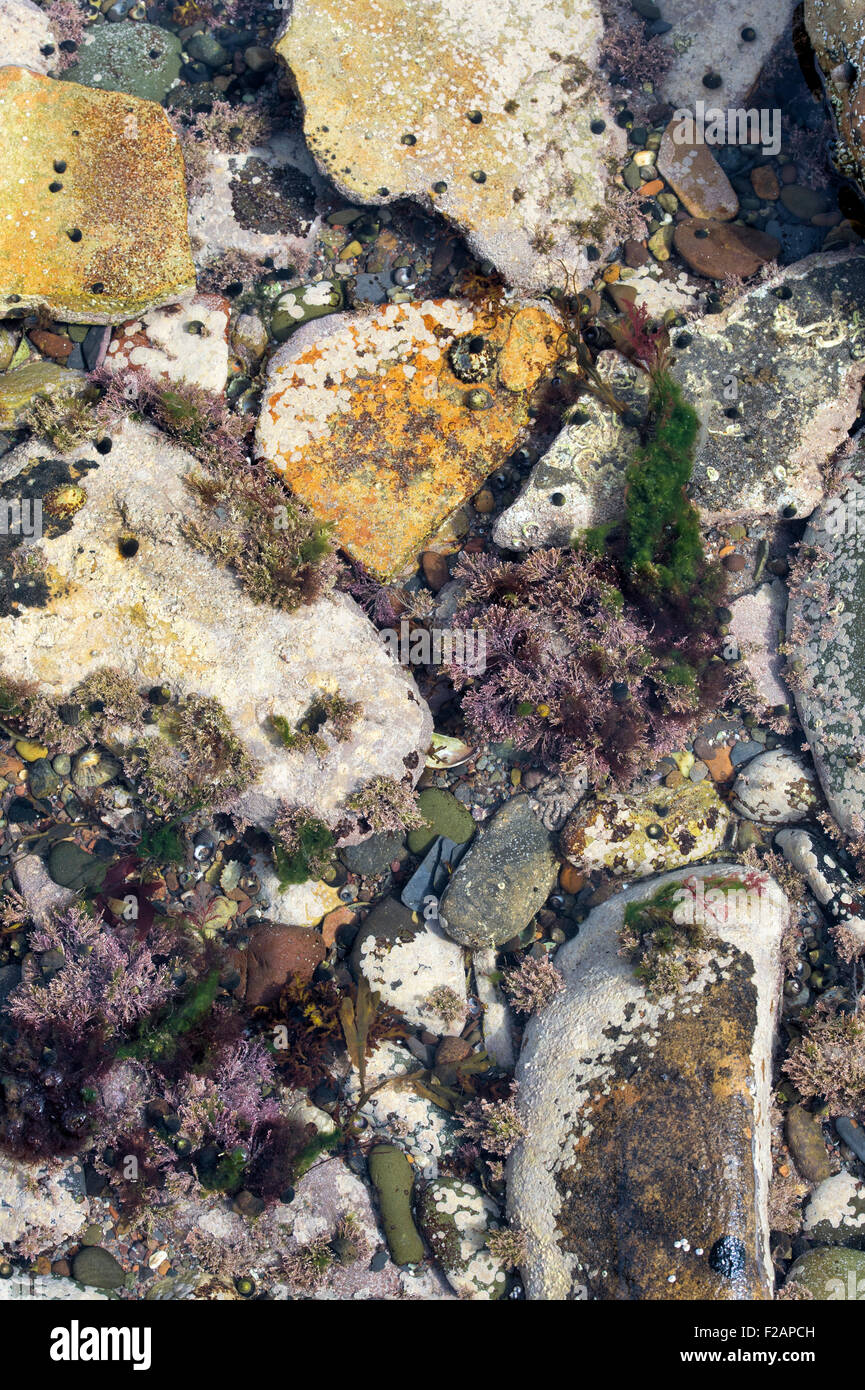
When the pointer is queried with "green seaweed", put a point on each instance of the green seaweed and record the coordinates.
(157, 1039)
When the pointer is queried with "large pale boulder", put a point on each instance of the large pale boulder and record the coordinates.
(836, 29)
(168, 614)
(493, 115)
(645, 1168)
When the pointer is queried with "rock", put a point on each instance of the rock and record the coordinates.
(464, 111)
(25, 30)
(764, 182)
(35, 381)
(387, 488)
(826, 634)
(497, 1021)
(444, 815)
(835, 1215)
(185, 342)
(645, 1169)
(261, 203)
(375, 855)
(392, 1177)
(206, 48)
(46, 1286)
(813, 305)
(38, 1202)
(725, 37)
(757, 627)
(410, 963)
(696, 177)
(719, 249)
(836, 29)
(427, 1132)
(139, 60)
(72, 867)
(777, 787)
(803, 203)
(170, 616)
(506, 876)
(98, 1268)
(300, 904)
(830, 1273)
(122, 188)
(832, 887)
(42, 779)
(585, 466)
(456, 1219)
(274, 952)
(42, 895)
(435, 569)
(810, 307)
(807, 1145)
(640, 833)
(432, 874)
(249, 338)
(851, 1134)
(302, 305)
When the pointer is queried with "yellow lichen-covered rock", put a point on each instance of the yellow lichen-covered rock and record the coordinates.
(646, 832)
(492, 114)
(384, 423)
(94, 202)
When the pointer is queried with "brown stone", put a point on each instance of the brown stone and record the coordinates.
(55, 345)
(764, 182)
(696, 177)
(340, 917)
(807, 1145)
(274, 952)
(484, 501)
(720, 767)
(636, 254)
(718, 249)
(451, 1050)
(435, 569)
(735, 563)
(570, 879)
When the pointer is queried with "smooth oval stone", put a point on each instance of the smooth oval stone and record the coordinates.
(777, 787)
(726, 249)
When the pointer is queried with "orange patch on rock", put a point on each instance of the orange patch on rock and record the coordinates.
(399, 447)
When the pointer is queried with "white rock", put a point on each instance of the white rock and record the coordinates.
(45, 1287)
(160, 342)
(170, 615)
(777, 787)
(407, 967)
(24, 30)
(217, 224)
(38, 1200)
(707, 37)
(398, 1113)
(757, 627)
(835, 1214)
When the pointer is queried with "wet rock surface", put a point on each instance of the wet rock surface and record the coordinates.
(122, 190)
(476, 105)
(168, 615)
(612, 1085)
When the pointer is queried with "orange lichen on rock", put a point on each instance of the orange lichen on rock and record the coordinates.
(94, 202)
(373, 429)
